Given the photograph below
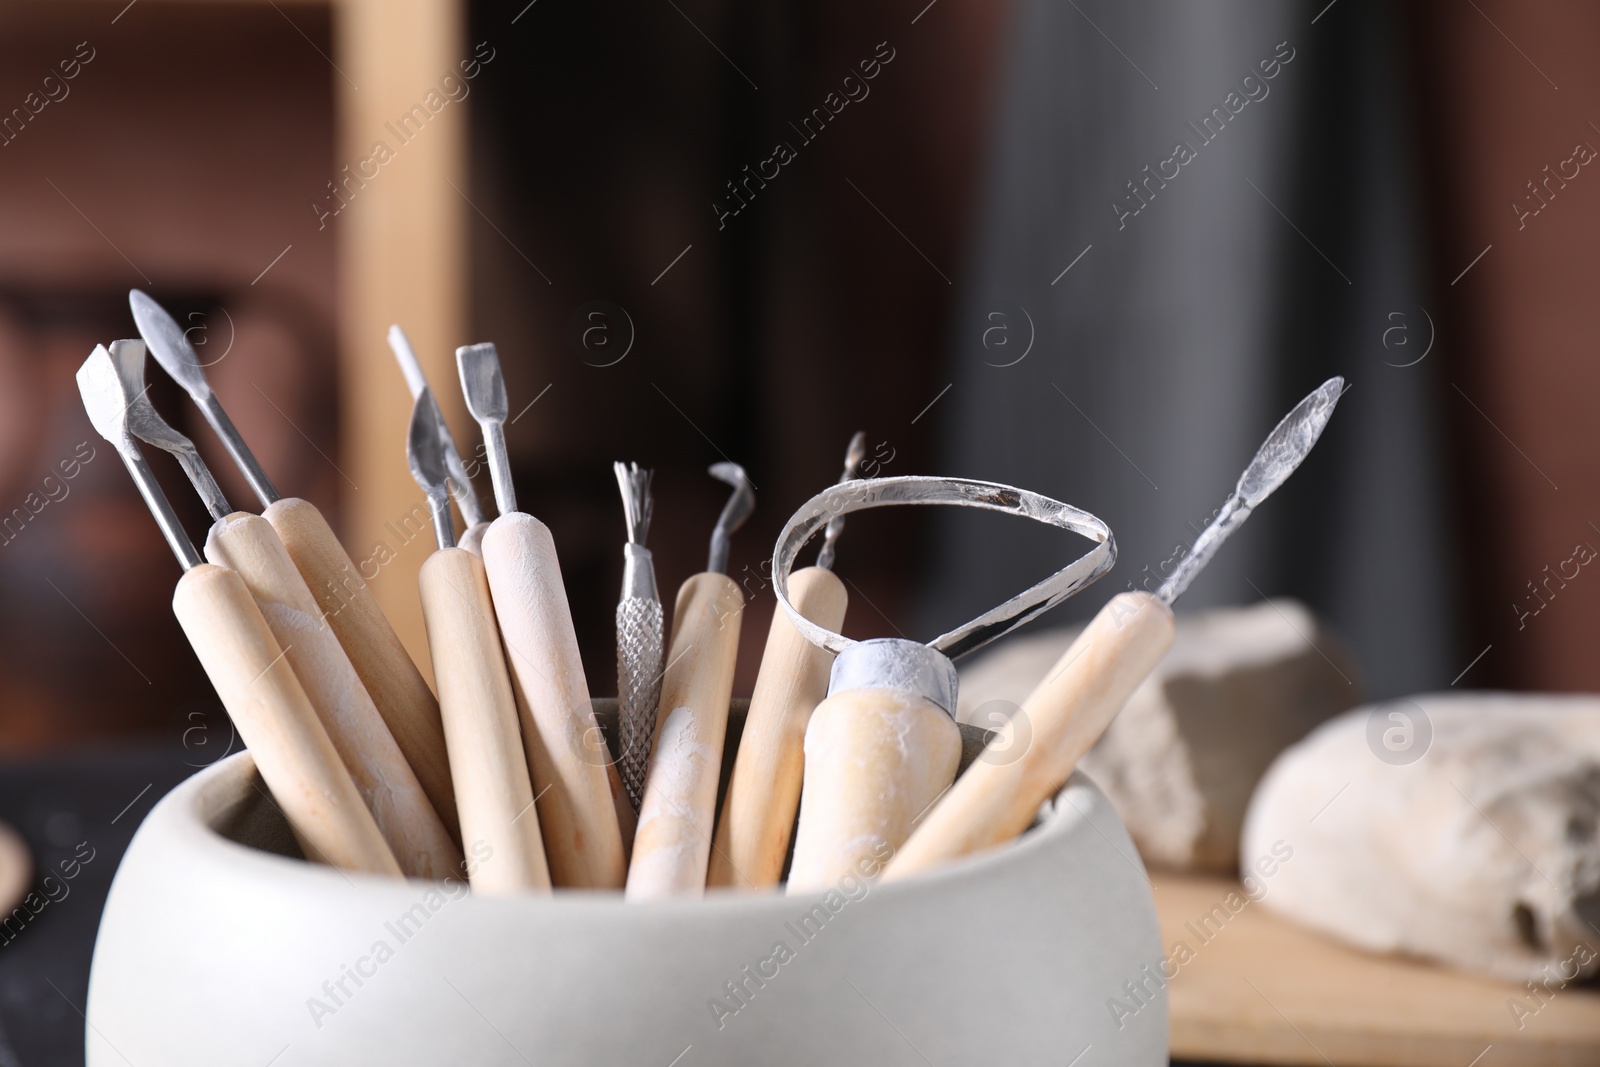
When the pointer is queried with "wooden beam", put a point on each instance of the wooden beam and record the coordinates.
(402, 258)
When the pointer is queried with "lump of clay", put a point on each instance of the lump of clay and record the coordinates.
(1182, 759)
(1458, 827)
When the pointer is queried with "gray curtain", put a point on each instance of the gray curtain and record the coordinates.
(1281, 248)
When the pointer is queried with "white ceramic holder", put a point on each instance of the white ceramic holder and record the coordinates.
(219, 945)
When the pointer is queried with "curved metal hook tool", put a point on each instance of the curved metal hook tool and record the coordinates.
(734, 512)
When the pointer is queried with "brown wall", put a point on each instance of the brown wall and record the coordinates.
(179, 159)
(1507, 91)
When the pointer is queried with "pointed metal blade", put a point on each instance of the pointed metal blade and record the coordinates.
(1289, 443)
(1285, 448)
(416, 381)
(424, 452)
(169, 345)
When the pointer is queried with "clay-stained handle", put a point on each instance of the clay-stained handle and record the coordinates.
(493, 792)
(385, 667)
(472, 540)
(1026, 763)
(875, 760)
(679, 807)
(277, 723)
(566, 751)
(247, 545)
(764, 790)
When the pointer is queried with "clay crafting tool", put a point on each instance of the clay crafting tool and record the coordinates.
(1068, 711)
(235, 645)
(493, 792)
(638, 633)
(247, 545)
(460, 484)
(567, 754)
(385, 668)
(676, 816)
(884, 745)
(764, 790)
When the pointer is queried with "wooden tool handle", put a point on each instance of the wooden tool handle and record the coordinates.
(247, 545)
(566, 751)
(679, 807)
(875, 760)
(493, 791)
(764, 791)
(275, 720)
(999, 795)
(472, 540)
(386, 670)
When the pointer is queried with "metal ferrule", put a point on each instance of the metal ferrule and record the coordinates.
(638, 573)
(895, 663)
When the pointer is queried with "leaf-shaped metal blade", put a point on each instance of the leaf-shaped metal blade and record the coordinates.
(425, 456)
(169, 345)
(1289, 443)
(424, 451)
(416, 381)
(1285, 448)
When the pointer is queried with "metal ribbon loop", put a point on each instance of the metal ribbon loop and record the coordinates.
(862, 494)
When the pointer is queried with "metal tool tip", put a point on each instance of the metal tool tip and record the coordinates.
(734, 512)
(128, 357)
(169, 344)
(854, 454)
(406, 356)
(482, 383)
(101, 390)
(143, 420)
(634, 482)
(424, 453)
(1289, 442)
(731, 473)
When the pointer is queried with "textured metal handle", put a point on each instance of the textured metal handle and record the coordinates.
(638, 687)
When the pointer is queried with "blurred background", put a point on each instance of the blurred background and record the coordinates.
(1093, 249)
(976, 259)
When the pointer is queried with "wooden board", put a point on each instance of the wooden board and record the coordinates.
(402, 258)
(1263, 990)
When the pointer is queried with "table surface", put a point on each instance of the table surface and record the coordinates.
(1262, 990)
